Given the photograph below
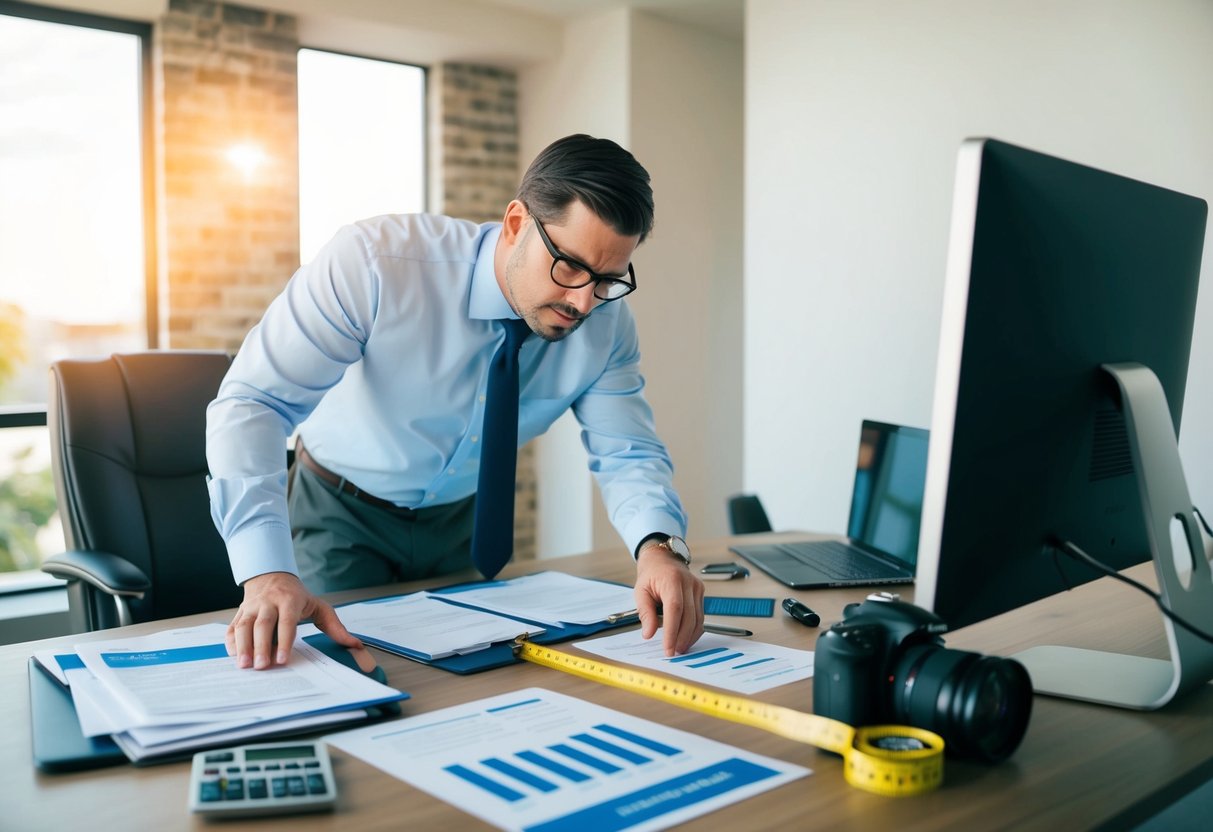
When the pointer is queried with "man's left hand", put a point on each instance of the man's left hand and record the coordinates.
(661, 578)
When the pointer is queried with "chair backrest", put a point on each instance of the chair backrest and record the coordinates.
(128, 446)
(746, 515)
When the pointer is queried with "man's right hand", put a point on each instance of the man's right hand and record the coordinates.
(274, 604)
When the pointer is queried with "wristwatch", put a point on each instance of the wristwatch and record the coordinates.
(677, 547)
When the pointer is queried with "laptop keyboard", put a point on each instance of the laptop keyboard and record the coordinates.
(838, 560)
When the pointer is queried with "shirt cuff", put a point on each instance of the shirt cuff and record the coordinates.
(260, 549)
(649, 523)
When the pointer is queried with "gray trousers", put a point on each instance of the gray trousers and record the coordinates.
(342, 542)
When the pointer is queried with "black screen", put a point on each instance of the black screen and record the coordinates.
(1054, 269)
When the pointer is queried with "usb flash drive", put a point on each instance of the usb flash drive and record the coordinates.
(801, 613)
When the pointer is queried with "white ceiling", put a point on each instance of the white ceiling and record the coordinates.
(723, 17)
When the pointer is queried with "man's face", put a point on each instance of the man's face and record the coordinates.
(550, 310)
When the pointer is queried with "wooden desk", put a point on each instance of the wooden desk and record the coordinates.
(1080, 766)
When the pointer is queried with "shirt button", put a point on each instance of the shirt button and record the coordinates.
(451, 471)
(482, 398)
(429, 496)
(475, 438)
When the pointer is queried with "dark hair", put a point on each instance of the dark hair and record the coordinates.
(600, 173)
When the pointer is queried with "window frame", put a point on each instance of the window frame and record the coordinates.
(143, 31)
(426, 138)
(24, 416)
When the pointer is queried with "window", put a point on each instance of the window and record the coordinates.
(74, 250)
(361, 142)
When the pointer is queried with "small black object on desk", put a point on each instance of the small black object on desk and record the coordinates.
(801, 612)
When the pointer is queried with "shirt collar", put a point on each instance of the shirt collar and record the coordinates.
(486, 301)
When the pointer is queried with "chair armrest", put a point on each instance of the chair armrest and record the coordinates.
(107, 572)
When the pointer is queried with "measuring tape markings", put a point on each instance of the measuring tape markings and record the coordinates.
(887, 771)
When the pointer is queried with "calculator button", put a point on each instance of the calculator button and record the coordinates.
(209, 792)
(256, 789)
(315, 784)
(233, 769)
(291, 765)
(210, 772)
(252, 768)
(312, 764)
(295, 786)
(273, 767)
(234, 790)
(279, 784)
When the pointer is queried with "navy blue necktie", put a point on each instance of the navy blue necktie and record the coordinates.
(493, 530)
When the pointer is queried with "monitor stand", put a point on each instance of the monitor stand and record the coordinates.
(1135, 681)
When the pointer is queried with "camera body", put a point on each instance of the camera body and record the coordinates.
(885, 663)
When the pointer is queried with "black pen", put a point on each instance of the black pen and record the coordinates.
(801, 612)
(725, 630)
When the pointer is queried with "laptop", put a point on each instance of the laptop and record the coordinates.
(881, 546)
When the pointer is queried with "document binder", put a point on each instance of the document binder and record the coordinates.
(499, 654)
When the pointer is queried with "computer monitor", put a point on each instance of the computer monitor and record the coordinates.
(1069, 306)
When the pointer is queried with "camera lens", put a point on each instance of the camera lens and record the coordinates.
(979, 704)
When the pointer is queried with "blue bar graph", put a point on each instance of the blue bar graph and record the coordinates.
(644, 742)
(611, 748)
(726, 658)
(756, 661)
(491, 786)
(553, 766)
(584, 759)
(521, 775)
(692, 656)
(519, 782)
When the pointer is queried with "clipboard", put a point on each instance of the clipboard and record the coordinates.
(59, 745)
(500, 654)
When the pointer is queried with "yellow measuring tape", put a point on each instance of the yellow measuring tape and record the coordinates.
(911, 762)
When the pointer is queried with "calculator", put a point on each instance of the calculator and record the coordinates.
(265, 779)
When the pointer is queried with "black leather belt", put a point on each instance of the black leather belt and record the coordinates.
(337, 481)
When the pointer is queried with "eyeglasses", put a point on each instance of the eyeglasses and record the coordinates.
(572, 274)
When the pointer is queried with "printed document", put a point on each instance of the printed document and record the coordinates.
(738, 664)
(551, 598)
(540, 760)
(181, 677)
(430, 628)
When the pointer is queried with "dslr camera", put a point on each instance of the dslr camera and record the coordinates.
(885, 663)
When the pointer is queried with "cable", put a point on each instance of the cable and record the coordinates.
(1202, 520)
(1077, 553)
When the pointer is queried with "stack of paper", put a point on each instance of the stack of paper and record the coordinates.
(462, 620)
(178, 691)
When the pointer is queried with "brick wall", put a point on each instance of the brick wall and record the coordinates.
(226, 74)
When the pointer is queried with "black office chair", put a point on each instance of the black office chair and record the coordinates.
(128, 448)
(746, 515)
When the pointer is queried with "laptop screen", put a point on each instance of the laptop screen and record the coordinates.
(890, 476)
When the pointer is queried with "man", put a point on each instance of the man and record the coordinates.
(380, 351)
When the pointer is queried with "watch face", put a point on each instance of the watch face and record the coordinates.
(679, 547)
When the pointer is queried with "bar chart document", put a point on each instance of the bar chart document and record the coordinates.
(737, 664)
(540, 760)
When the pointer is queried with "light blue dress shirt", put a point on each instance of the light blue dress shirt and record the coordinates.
(378, 350)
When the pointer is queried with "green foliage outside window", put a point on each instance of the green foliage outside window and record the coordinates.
(27, 497)
(27, 503)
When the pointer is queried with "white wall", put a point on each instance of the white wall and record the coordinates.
(583, 89)
(672, 94)
(687, 129)
(854, 112)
